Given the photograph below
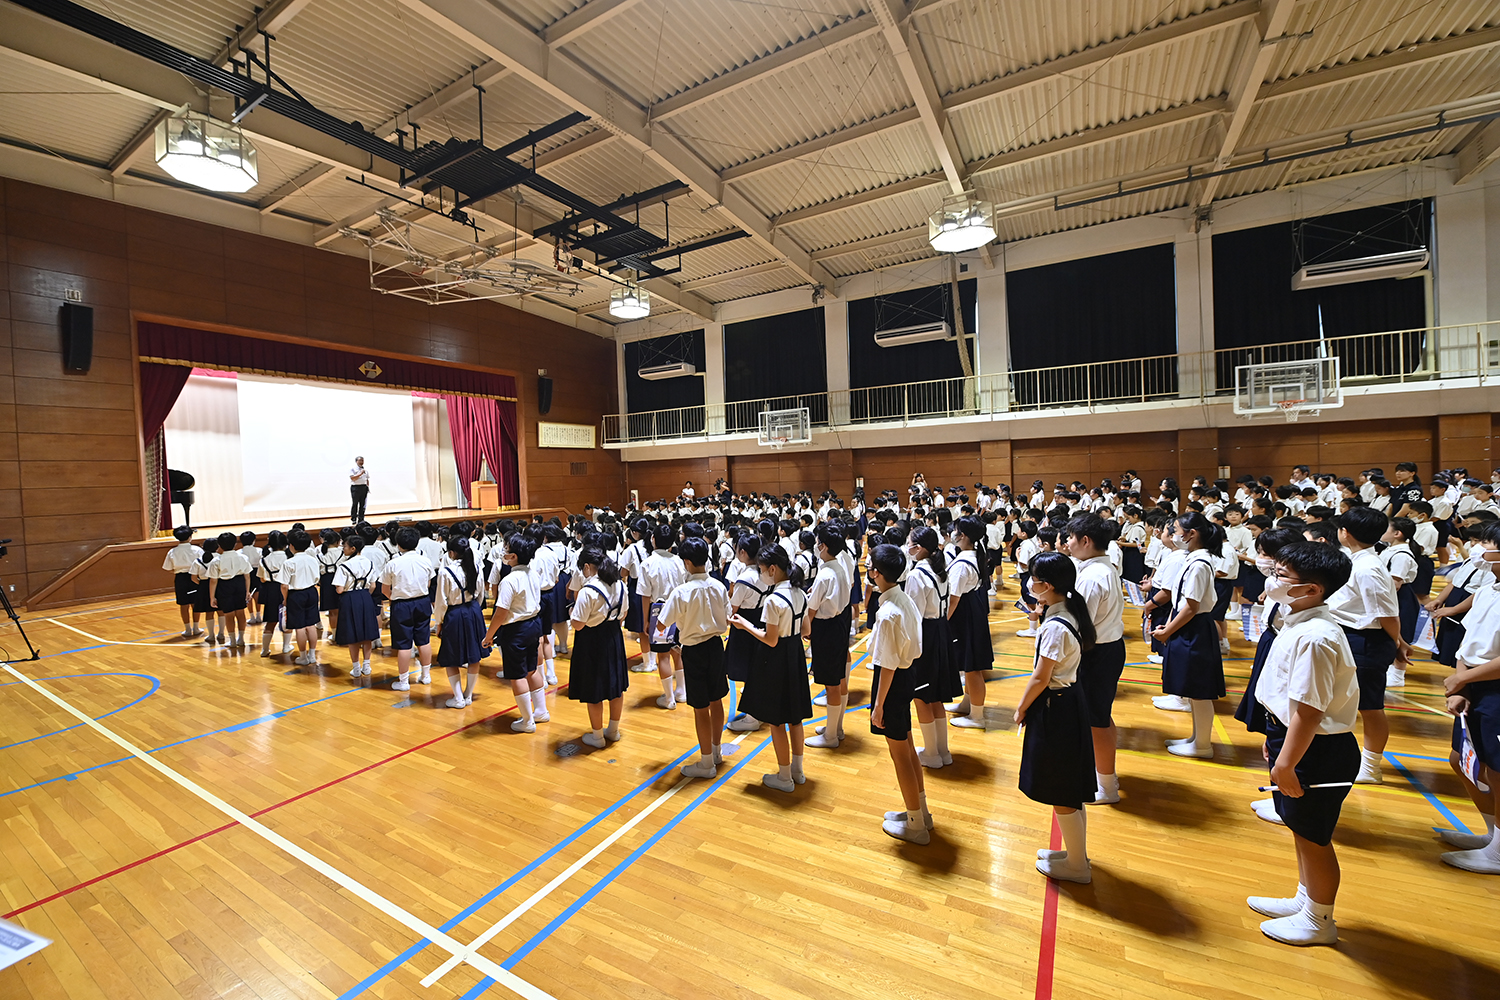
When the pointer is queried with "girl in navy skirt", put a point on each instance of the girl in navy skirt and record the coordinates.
(777, 691)
(746, 592)
(969, 617)
(1250, 711)
(1192, 666)
(203, 603)
(330, 553)
(358, 627)
(597, 672)
(1057, 750)
(271, 559)
(1450, 605)
(637, 548)
(460, 619)
(935, 678)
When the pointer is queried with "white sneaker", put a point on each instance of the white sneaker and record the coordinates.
(1224, 646)
(426, 677)
(541, 716)
(209, 640)
(777, 782)
(966, 722)
(1059, 869)
(666, 701)
(641, 668)
(927, 760)
(522, 726)
(1274, 906)
(700, 770)
(597, 742)
(550, 676)
(266, 652)
(365, 670)
(1300, 929)
(821, 699)
(456, 703)
(899, 816)
(1395, 677)
(1464, 841)
(1026, 633)
(356, 670)
(1154, 658)
(1172, 703)
(957, 708)
(823, 741)
(744, 724)
(1190, 749)
(1103, 798)
(1369, 775)
(400, 685)
(612, 739)
(1266, 810)
(1483, 861)
(904, 829)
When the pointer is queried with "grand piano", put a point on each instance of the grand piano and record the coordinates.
(181, 486)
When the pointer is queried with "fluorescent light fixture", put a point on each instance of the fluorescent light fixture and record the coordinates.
(963, 223)
(205, 153)
(630, 302)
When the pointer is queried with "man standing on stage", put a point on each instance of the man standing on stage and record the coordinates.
(359, 489)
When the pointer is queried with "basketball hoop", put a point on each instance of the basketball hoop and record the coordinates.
(1290, 408)
(778, 442)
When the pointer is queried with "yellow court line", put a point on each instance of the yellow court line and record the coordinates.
(114, 642)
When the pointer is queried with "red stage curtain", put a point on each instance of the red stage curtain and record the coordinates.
(466, 452)
(160, 387)
(482, 428)
(509, 467)
(229, 352)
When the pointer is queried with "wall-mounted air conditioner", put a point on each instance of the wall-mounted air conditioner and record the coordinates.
(1402, 264)
(676, 369)
(919, 334)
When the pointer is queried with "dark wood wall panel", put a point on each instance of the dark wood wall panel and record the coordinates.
(1343, 448)
(70, 478)
(944, 465)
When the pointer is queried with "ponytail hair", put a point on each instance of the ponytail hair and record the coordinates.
(775, 556)
(974, 532)
(459, 549)
(1057, 571)
(603, 565)
(1211, 534)
(928, 539)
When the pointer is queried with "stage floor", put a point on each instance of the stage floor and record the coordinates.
(445, 515)
(389, 820)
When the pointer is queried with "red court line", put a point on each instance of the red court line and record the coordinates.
(1047, 950)
(271, 808)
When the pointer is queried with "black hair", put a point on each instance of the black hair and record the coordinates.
(355, 542)
(1321, 531)
(693, 550)
(328, 537)
(1057, 571)
(806, 540)
(275, 542)
(1210, 534)
(1272, 540)
(928, 539)
(300, 541)
(775, 555)
(226, 540)
(1094, 528)
(247, 538)
(603, 564)
(1324, 565)
(832, 538)
(182, 533)
(663, 536)
(520, 546)
(209, 546)
(406, 538)
(888, 561)
(971, 529)
(1365, 525)
(1405, 525)
(458, 546)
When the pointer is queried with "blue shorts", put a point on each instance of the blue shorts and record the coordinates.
(411, 622)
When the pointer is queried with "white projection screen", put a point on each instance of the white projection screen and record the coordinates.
(263, 449)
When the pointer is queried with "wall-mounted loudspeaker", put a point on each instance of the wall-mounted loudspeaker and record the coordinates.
(543, 394)
(77, 337)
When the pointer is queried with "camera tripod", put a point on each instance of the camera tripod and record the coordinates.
(10, 609)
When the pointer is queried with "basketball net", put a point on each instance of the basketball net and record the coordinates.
(1290, 408)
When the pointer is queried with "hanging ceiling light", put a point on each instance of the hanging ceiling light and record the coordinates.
(205, 153)
(630, 301)
(963, 223)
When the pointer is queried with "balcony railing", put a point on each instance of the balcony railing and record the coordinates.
(1464, 351)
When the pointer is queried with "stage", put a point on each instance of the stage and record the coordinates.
(133, 569)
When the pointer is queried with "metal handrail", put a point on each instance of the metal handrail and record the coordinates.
(1465, 350)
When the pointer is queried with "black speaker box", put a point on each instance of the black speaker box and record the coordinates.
(543, 394)
(77, 337)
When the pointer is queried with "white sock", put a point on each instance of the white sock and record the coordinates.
(598, 733)
(1370, 759)
(784, 772)
(523, 702)
(538, 701)
(706, 760)
(613, 729)
(1321, 912)
(1108, 783)
(458, 691)
(717, 752)
(796, 763)
(835, 716)
(940, 731)
(403, 675)
(1301, 897)
(1203, 723)
(1489, 824)
(929, 736)
(468, 685)
(550, 667)
(667, 687)
(1074, 836)
(679, 679)
(922, 801)
(651, 659)
(976, 712)
(915, 818)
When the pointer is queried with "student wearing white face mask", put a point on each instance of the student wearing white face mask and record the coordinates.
(1449, 606)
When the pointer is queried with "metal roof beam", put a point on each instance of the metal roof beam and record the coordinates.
(1257, 50)
(1441, 48)
(871, 242)
(1478, 151)
(744, 272)
(860, 198)
(828, 140)
(271, 19)
(793, 54)
(498, 34)
(572, 26)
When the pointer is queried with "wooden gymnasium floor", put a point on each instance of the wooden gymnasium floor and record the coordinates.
(613, 878)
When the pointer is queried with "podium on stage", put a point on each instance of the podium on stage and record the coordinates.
(485, 496)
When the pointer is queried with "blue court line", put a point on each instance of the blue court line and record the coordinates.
(227, 729)
(1432, 799)
(155, 685)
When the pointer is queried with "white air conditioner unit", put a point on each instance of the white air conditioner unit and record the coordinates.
(1402, 264)
(676, 369)
(919, 334)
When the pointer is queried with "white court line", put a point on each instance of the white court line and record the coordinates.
(566, 874)
(370, 896)
(115, 642)
(1418, 704)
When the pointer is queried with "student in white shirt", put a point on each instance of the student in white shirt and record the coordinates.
(299, 592)
(358, 626)
(1057, 754)
(229, 587)
(776, 691)
(408, 579)
(747, 590)
(699, 609)
(1310, 695)
(637, 548)
(252, 599)
(660, 573)
(826, 627)
(272, 559)
(517, 621)
(179, 562)
(597, 667)
(1401, 563)
(1192, 665)
(1474, 697)
(208, 551)
(895, 642)
(1101, 666)
(935, 678)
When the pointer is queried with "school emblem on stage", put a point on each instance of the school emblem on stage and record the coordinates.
(371, 370)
